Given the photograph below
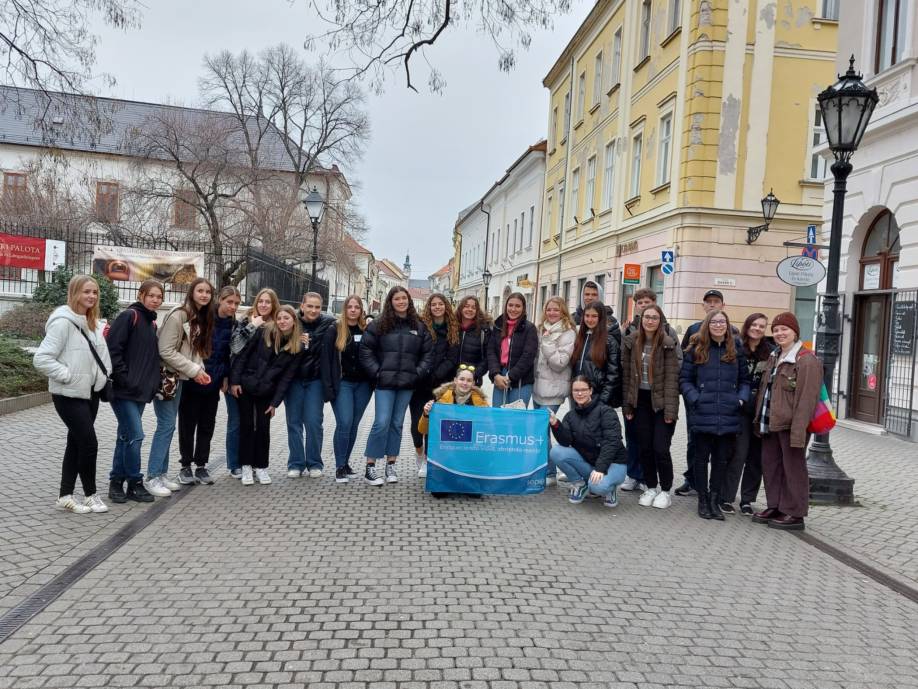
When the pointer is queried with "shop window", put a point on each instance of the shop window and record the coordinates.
(655, 274)
(881, 253)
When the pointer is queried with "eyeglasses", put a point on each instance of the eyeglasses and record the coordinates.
(466, 367)
(651, 317)
(723, 323)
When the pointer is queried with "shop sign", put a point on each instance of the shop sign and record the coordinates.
(626, 247)
(631, 274)
(31, 252)
(137, 265)
(801, 271)
(903, 328)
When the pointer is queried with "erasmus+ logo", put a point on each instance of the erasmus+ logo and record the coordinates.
(456, 431)
(452, 430)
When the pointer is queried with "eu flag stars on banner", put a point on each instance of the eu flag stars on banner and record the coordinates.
(456, 431)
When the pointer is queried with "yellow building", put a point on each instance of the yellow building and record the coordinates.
(669, 121)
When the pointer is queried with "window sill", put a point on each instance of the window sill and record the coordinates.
(663, 187)
(633, 201)
(579, 124)
(669, 39)
(643, 62)
(818, 22)
(552, 151)
(615, 87)
(595, 107)
(563, 141)
(811, 183)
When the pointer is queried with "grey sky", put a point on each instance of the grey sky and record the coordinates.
(430, 155)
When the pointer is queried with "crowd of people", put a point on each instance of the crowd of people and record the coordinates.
(748, 398)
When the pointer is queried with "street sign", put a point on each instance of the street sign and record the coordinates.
(631, 274)
(810, 251)
(668, 256)
(810, 234)
(668, 268)
(800, 271)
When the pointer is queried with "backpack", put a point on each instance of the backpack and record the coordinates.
(108, 326)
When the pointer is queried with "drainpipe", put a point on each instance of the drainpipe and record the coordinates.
(567, 160)
(487, 243)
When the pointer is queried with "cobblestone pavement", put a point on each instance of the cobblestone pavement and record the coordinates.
(305, 582)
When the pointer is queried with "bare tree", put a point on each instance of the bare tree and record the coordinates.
(381, 34)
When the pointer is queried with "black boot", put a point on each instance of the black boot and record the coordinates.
(714, 506)
(704, 506)
(137, 492)
(116, 491)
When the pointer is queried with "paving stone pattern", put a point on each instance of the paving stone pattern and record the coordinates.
(309, 583)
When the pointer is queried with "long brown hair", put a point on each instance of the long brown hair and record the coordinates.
(640, 339)
(449, 316)
(275, 339)
(744, 334)
(200, 320)
(344, 332)
(275, 304)
(482, 319)
(565, 314)
(388, 318)
(600, 335)
(503, 327)
(74, 287)
(702, 339)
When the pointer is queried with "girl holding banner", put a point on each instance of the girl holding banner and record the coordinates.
(512, 352)
(596, 355)
(590, 451)
(474, 332)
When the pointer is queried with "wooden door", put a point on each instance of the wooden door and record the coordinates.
(871, 327)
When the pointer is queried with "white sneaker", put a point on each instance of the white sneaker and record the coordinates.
(648, 496)
(294, 473)
(315, 473)
(642, 486)
(247, 479)
(155, 487)
(66, 502)
(663, 500)
(422, 470)
(562, 477)
(550, 481)
(170, 484)
(262, 476)
(94, 503)
(628, 484)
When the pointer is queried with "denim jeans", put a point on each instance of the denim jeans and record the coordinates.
(552, 469)
(349, 405)
(577, 469)
(126, 460)
(166, 415)
(305, 404)
(512, 394)
(232, 431)
(386, 435)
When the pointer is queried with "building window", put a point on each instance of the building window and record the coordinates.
(818, 165)
(891, 26)
(497, 246)
(581, 95)
(644, 43)
(601, 283)
(830, 9)
(675, 15)
(636, 145)
(548, 215)
(543, 296)
(590, 184)
(575, 194)
(554, 289)
(554, 127)
(608, 177)
(186, 215)
(531, 223)
(566, 292)
(597, 78)
(656, 283)
(617, 57)
(567, 113)
(561, 218)
(517, 231)
(666, 145)
(580, 283)
(107, 207)
(805, 310)
(507, 245)
(626, 305)
(15, 192)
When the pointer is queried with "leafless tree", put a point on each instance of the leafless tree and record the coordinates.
(381, 34)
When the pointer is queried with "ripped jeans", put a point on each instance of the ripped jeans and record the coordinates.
(126, 461)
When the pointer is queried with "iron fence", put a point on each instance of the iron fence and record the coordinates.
(900, 368)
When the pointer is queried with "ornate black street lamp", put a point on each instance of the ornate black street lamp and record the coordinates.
(769, 207)
(486, 280)
(846, 109)
(315, 208)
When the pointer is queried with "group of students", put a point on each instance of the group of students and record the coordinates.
(747, 399)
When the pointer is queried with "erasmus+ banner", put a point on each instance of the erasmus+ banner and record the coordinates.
(487, 450)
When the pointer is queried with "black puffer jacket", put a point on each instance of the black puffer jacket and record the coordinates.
(594, 431)
(134, 351)
(310, 358)
(444, 358)
(338, 366)
(473, 350)
(263, 373)
(607, 381)
(524, 348)
(398, 359)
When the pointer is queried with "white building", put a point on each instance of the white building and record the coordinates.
(501, 232)
(879, 262)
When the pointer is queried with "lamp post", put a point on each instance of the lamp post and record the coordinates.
(769, 207)
(846, 109)
(486, 280)
(315, 207)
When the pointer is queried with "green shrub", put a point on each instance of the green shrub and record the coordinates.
(53, 292)
(26, 321)
(17, 375)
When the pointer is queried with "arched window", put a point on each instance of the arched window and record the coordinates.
(880, 256)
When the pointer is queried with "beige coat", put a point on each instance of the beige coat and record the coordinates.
(175, 349)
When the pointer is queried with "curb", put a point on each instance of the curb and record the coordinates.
(23, 402)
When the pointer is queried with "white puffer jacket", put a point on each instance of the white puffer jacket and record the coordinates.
(553, 365)
(64, 355)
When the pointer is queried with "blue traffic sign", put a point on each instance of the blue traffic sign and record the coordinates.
(810, 234)
(667, 256)
(668, 268)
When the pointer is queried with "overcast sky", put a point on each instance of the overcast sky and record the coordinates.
(430, 155)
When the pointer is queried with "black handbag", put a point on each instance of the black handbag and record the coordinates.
(107, 393)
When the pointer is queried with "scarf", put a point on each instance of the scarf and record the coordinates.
(460, 398)
(468, 324)
(552, 330)
(505, 343)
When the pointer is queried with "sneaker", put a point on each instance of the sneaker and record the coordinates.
(116, 492)
(236, 473)
(294, 473)
(137, 493)
(550, 480)
(262, 476)
(66, 502)
(315, 473)
(247, 479)
(685, 490)
(341, 475)
(746, 508)
(578, 493)
(202, 475)
(648, 496)
(170, 484)
(642, 487)
(94, 503)
(349, 471)
(629, 484)
(562, 477)
(663, 500)
(186, 476)
(372, 477)
(391, 473)
(727, 508)
(611, 499)
(422, 470)
(419, 461)
(155, 487)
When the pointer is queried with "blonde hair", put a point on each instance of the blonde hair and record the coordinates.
(277, 340)
(344, 332)
(275, 304)
(74, 289)
(565, 313)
